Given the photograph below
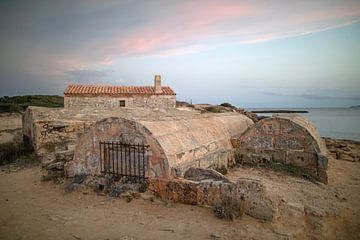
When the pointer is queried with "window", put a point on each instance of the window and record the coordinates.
(122, 103)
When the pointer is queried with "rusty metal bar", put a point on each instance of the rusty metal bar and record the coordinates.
(117, 159)
(132, 159)
(138, 158)
(143, 161)
(121, 158)
(113, 160)
(100, 159)
(108, 159)
(125, 158)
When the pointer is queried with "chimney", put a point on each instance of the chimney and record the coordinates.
(157, 84)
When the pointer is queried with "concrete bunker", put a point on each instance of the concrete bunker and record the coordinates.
(287, 139)
(175, 143)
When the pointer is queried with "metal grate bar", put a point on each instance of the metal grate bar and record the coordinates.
(130, 159)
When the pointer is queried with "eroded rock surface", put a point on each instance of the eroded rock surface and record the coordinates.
(341, 149)
(213, 189)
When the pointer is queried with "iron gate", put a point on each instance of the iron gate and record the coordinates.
(123, 159)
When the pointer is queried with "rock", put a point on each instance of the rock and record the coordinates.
(75, 183)
(64, 156)
(252, 116)
(54, 217)
(258, 203)
(228, 199)
(198, 174)
(345, 150)
(147, 196)
(314, 220)
(230, 207)
(215, 237)
(126, 238)
(57, 166)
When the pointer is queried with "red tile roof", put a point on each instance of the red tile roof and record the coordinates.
(81, 89)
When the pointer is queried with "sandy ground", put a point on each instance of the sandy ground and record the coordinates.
(32, 209)
(332, 209)
(10, 121)
(10, 126)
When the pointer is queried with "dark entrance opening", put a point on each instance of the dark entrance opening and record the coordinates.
(124, 159)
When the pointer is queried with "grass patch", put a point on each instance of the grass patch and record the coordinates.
(20, 103)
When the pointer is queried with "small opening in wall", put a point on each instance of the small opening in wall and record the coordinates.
(122, 103)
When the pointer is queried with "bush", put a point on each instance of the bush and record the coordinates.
(11, 151)
(184, 104)
(228, 105)
(213, 109)
(19, 103)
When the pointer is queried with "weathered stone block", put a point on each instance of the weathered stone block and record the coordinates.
(289, 143)
(301, 159)
(271, 127)
(279, 156)
(257, 141)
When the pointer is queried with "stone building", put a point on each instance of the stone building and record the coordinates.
(286, 139)
(69, 139)
(115, 97)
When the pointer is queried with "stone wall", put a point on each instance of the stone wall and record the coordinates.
(179, 139)
(289, 140)
(109, 102)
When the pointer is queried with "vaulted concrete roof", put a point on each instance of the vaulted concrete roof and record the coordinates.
(176, 142)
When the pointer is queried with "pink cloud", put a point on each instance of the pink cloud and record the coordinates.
(191, 23)
(275, 36)
(185, 27)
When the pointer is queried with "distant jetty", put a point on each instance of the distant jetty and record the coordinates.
(358, 106)
(280, 111)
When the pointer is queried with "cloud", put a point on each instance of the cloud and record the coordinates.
(327, 97)
(276, 36)
(312, 96)
(85, 75)
(64, 42)
(212, 23)
(272, 94)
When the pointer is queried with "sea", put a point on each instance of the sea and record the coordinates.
(340, 123)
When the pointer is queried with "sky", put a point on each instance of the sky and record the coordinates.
(253, 54)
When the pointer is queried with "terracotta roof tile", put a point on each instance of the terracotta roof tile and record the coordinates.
(81, 89)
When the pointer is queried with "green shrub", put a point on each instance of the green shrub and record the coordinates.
(228, 105)
(19, 103)
(213, 109)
